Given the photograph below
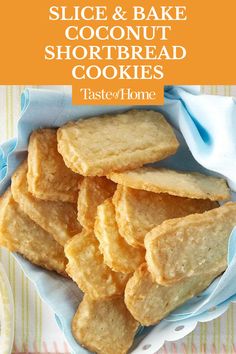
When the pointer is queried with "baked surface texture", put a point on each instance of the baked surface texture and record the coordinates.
(93, 191)
(104, 326)
(179, 183)
(57, 218)
(150, 302)
(20, 234)
(86, 267)
(117, 253)
(48, 176)
(100, 145)
(188, 246)
(139, 211)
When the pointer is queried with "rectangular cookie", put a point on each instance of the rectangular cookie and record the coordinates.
(20, 234)
(48, 176)
(93, 191)
(139, 211)
(57, 218)
(117, 253)
(178, 183)
(187, 246)
(150, 302)
(100, 145)
(87, 268)
(104, 326)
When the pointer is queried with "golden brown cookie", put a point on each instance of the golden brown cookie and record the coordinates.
(191, 245)
(150, 302)
(93, 191)
(87, 269)
(57, 218)
(104, 326)
(117, 253)
(138, 211)
(100, 145)
(179, 183)
(20, 234)
(48, 177)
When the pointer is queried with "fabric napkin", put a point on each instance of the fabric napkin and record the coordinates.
(206, 128)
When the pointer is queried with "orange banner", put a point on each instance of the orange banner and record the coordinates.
(117, 52)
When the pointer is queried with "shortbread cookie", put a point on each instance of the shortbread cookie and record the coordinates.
(87, 269)
(93, 191)
(150, 302)
(117, 253)
(57, 218)
(104, 326)
(182, 184)
(20, 234)
(138, 211)
(191, 245)
(100, 145)
(48, 177)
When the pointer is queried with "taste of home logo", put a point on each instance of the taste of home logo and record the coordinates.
(122, 94)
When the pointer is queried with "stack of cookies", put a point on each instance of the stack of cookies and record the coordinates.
(138, 241)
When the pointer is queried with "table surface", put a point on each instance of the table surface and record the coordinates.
(35, 328)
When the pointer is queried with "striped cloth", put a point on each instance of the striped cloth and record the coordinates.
(35, 327)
